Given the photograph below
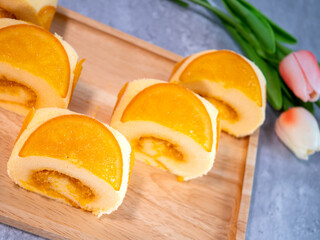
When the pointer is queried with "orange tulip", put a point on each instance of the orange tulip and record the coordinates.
(301, 73)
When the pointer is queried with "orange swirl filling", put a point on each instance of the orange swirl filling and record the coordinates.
(16, 93)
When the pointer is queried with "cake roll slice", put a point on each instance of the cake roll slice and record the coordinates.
(72, 158)
(231, 82)
(168, 126)
(38, 12)
(37, 69)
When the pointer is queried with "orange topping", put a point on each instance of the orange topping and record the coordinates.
(218, 131)
(132, 158)
(120, 94)
(76, 74)
(46, 15)
(180, 179)
(26, 122)
(80, 140)
(174, 107)
(177, 66)
(226, 68)
(37, 51)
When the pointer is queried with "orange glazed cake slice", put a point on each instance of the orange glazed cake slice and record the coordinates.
(232, 83)
(72, 158)
(37, 69)
(168, 126)
(39, 12)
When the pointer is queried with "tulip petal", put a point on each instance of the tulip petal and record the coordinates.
(298, 130)
(293, 76)
(309, 64)
(313, 97)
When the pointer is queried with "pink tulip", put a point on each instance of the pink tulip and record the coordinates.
(301, 73)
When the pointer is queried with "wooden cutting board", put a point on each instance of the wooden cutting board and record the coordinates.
(156, 206)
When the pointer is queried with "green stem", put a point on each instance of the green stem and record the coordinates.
(223, 16)
(283, 49)
(181, 3)
(243, 31)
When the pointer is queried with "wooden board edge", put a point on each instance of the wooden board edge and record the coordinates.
(39, 226)
(123, 36)
(247, 186)
(30, 228)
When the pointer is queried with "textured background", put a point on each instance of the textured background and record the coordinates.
(286, 192)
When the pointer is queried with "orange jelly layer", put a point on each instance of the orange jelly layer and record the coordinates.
(37, 51)
(226, 68)
(174, 107)
(80, 140)
(46, 15)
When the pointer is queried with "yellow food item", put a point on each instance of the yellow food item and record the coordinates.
(168, 126)
(165, 99)
(37, 12)
(232, 83)
(37, 69)
(72, 158)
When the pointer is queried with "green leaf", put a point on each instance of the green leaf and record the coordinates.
(243, 30)
(181, 3)
(284, 50)
(286, 91)
(280, 34)
(290, 95)
(308, 105)
(276, 57)
(221, 15)
(259, 25)
(230, 10)
(318, 103)
(286, 103)
(272, 58)
(274, 93)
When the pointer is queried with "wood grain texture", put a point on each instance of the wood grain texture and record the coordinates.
(156, 206)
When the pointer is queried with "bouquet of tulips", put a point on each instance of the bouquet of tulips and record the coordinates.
(293, 78)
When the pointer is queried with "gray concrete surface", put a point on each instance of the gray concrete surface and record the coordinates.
(286, 193)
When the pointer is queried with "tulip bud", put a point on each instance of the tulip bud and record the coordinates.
(301, 73)
(299, 131)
